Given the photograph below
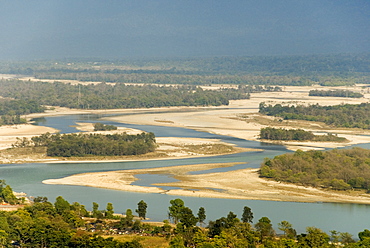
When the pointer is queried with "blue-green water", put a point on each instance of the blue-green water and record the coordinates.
(28, 178)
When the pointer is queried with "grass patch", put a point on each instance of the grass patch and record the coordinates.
(279, 122)
(210, 149)
(24, 154)
(146, 241)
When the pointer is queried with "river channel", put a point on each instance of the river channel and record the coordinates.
(28, 178)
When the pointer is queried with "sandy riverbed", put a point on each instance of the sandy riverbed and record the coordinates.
(228, 121)
(243, 184)
(239, 184)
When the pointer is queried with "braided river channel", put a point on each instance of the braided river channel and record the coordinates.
(351, 218)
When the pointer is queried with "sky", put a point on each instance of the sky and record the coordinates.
(120, 29)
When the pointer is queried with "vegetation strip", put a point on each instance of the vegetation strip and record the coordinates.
(78, 145)
(40, 223)
(271, 133)
(345, 115)
(339, 169)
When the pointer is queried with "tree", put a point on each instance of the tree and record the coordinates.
(346, 238)
(231, 219)
(61, 205)
(95, 211)
(40, 199)
(247, 216)
(141, 209)
(315, 238)
(264, 227)
(287, 228)
(187, 218)
(128, 219)
(175, 210)
(364, 234)
(79, 209)
(109, 212)
(201, 215)
(6, 193)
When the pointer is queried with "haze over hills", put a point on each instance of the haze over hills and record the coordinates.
(51, 29)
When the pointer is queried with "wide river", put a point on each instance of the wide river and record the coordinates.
(28, 178)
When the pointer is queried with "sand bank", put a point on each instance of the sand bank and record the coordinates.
(9, 134)
(239, 184)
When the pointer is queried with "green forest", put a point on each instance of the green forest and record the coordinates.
(326, 70)
(335, 93)
(11, 110)
(105, 96)
(41, 223)
(79, 145)
(271, 133)
(345, 115)
(338, 169)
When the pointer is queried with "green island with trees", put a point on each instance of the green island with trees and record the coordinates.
(344, 115)
(103, 127)
(338, 169)
(80, 145)
(40, 223)
(335, 93)
(271, 133)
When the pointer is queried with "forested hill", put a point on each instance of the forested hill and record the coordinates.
(339, 69)
(268, 65)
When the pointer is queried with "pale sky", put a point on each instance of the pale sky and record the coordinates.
(53, 29)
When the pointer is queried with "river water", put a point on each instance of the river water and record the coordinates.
(28, 178)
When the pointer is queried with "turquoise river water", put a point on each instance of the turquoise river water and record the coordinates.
(28, 178)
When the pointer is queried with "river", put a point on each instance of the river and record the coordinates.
(28, 178)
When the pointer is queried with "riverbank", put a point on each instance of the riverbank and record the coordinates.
(237, 184)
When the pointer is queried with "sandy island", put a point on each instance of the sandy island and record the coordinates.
(239, 119)
(237, 184)
(167, 147)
